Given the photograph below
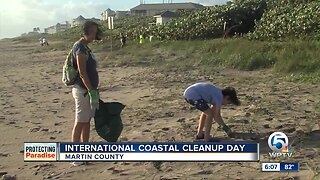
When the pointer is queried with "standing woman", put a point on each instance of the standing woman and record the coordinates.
(85, 90)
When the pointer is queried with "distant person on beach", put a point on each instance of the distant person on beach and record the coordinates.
(41, 40)
(152, 38)
(208, 99)
(123, 40)
(45, 41)
(85, 91)
(141, 39)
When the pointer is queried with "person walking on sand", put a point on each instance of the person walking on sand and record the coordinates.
(85, 91)
(201, 95)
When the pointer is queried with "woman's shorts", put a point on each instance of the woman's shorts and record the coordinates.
(200, 104)
(83, 111)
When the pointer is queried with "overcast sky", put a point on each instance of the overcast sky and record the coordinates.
(21, 16)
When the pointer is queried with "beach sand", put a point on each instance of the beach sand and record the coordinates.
(37, 107)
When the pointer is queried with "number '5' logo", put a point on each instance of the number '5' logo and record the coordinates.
(277, 141)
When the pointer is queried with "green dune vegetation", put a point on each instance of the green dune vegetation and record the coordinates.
(281, 36)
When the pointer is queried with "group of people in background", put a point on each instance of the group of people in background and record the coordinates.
(142, 38)
(123, 39)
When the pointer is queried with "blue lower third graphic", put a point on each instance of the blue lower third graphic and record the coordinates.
(159, 151)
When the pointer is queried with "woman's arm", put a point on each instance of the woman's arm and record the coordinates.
(217, 115)
(82, 66)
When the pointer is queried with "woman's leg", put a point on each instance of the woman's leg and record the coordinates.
(208, 124)
(76, 132)
(85, 132)
(81, 131)
(202, 120)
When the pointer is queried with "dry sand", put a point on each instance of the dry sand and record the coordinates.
(36, 106)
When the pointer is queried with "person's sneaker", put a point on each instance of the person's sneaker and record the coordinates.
(211, 139)
(228, 131)
(77, 163)
(200, 136)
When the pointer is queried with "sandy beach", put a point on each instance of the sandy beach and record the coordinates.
(37, 107)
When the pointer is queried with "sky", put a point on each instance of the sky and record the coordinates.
(21, 16)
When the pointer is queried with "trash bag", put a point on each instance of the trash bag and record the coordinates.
(107, 120)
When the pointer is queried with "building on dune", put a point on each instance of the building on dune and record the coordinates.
(35, 31)
(59, 27)
(122, 14)
(116, 14)
(80, 20)
(165, 17)
(107, 13)
(155, 9)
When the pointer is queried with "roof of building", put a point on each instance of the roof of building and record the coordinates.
(123, 11)
(80, 18)
(168, 14)
(167, 6)
(94, 19)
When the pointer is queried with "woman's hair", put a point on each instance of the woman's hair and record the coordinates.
(87, 25)
(231, 92)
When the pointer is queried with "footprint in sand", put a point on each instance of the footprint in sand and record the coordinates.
(204, 172)
(181, 120)
(54, 111)
(45, 129)
(35, 129)
(165, 129)
(146, 130)
(36, 122)
(57, 132)
(269, 119)
(242, 121)
(3, 155)
(57, 124)
(12, 122)
(56, 100)
(117, 171)
(266, 126)
(30, 101)
(169, 114)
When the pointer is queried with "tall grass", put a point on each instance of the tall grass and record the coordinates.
(297, 58)
(300, 59)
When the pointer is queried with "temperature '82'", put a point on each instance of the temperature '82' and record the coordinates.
(288, 166)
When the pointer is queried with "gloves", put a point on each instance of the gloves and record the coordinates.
(228, 131)
(94, 99)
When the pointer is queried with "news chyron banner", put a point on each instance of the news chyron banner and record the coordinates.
(141, 151)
